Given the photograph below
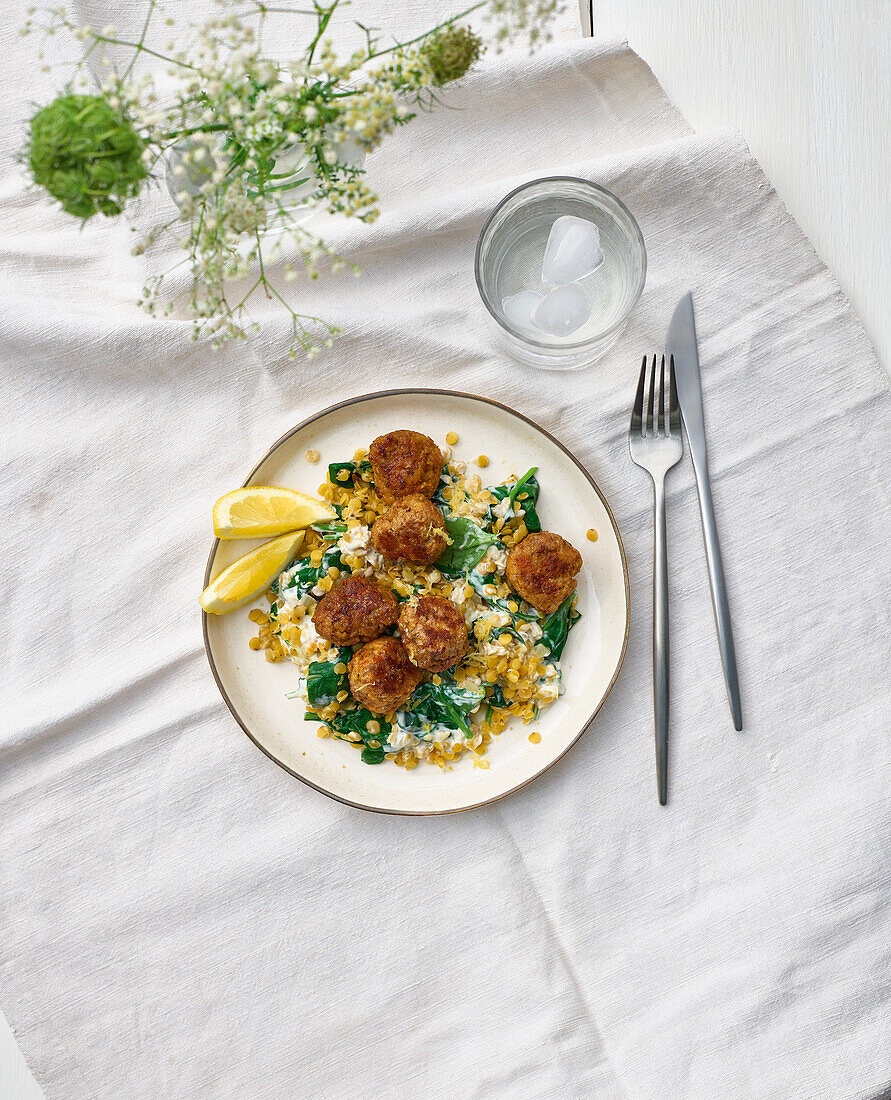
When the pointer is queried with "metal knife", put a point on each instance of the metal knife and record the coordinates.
(681, 344)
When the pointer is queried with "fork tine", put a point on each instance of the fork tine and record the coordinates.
(651, 399)
(674, 411)
(637, 411)
(661, 396)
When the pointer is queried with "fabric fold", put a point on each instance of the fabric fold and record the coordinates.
(181, 918)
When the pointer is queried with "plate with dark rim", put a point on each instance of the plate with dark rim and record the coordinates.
(255, 690)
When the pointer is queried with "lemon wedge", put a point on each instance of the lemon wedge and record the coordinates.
(261, 510)
(246, 579)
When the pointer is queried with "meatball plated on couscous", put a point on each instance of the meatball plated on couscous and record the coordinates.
(381, 676)
(542, 570)
(411, 530)
(356, 609)
(405, 463)
(434, 632)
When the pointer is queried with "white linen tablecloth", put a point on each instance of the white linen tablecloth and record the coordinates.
(180, 918)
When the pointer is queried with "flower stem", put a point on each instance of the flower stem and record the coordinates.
(145, 27)
(446, 23)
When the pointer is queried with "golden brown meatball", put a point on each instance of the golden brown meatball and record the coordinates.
(381, 675)
(411, 530)
(434, 633)
(542, 569)
(355, 610)
(404, 464)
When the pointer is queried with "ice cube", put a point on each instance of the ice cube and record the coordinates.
(518, 308)
(562, 311)
(572, 251)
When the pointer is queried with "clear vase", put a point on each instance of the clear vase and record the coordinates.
(294, 179)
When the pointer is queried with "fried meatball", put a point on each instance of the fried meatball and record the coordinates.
(405, 464)
(542, 569)
(381, 675)
(355, 610)
(434, 633)
(411, 530)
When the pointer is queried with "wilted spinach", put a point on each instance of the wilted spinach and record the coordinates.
(478, 583)
(354, 468)
(438, 499)
(510, 631)
(446, 704)
(496, 699)
(322, 681)
(555, 628)
(526, 487)
(468, 547)
(330, 531)
(305, 576)
(356, 721)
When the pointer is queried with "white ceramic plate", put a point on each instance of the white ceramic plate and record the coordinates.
(254, 689)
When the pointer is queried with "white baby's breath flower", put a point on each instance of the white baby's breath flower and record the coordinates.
(234, 118)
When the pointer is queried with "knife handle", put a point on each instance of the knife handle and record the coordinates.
(719, 593)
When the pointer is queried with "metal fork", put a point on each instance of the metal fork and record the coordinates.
(656, 445)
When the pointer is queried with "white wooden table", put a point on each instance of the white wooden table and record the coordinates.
(807, 82)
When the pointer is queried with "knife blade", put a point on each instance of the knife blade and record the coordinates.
(681, 344)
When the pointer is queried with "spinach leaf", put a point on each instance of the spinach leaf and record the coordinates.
(356, 721)
(373, 754)
(446, 704)
(530, 515)
(323, 683)
(354, 468)
(275, 587)
(304, 576)
(526, 487)
(468, 547)
(496, 699)
(511, 631)
(331, 530)
(527, 483)
(415, 590)
(438, 499)
(555, 628)
(478, 582)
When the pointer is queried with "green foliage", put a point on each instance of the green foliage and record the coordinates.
(86, 155)
(450, 52)
(468, 547)
(445, 704)
(522, 494)
(356, 721)
(322, 681)
(330, 531)
(353, 468)
(496, 699)
(305, 576)
(438, 499)
(555, 628)
(244, 139)
(478, 583)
